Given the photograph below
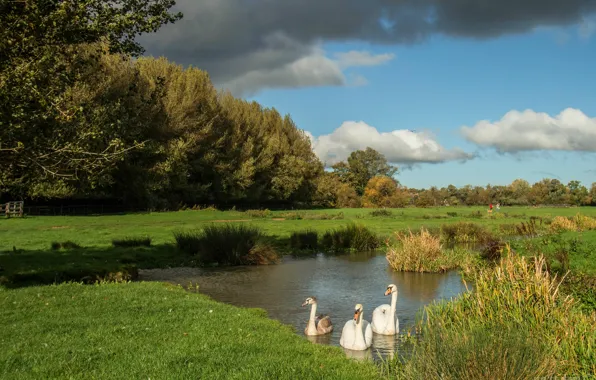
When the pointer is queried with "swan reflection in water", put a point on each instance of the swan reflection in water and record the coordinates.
(360, 355)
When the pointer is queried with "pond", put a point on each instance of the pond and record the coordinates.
(338, 282)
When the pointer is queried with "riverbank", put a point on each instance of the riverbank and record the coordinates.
(153, 330)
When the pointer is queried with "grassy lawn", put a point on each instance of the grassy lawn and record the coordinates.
(98, 231)
(153, 331)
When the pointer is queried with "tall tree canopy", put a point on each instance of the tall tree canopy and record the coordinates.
(49, 55)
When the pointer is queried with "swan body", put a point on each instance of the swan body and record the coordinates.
(317, 324)
(357, 334)
(384, 321)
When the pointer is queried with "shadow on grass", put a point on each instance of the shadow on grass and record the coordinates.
(40, 267)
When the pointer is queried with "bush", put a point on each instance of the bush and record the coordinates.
(381, 213)
(304, 240)
(352, 236)
(64, 245)
(132, 242)
(228, 244)
(466, 232)
(584, 223)
(259, 213)
(323, 216)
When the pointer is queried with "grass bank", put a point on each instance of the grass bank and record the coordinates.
(152, 330)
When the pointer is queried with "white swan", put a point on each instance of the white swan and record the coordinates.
(357, 334)
(319, 326)
(384, 321)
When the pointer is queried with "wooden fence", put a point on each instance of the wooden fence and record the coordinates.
(12, 209)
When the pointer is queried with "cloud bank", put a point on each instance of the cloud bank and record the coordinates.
(252, 44)
(570, 130)
(398, 146)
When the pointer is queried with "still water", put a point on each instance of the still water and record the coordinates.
(338, 282)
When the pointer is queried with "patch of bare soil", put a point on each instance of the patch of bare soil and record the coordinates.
(278, 219)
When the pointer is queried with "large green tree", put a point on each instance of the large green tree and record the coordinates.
(361, 166)
(49, 53)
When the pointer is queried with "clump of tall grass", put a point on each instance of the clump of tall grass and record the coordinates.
(266, 213)
(381, 213)
(56, 245)
(352, 236)
(423, 252)
(519, 295)
(304, 240)
(584, 223)
(465, 232)
(480, 352)
(131, 241)
(323, 216)
(561, 223)
(227, 244)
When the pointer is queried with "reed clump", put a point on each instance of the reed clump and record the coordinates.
(521, 297)
(561, 223)
(352, 236)
(465, 232)
(304, 240)
(227, 244)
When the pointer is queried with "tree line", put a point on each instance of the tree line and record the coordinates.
(84, 116)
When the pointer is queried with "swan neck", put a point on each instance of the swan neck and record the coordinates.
(313, 312)
(393, 302)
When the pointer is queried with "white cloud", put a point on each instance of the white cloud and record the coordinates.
(314, 69)
(398, 146)
(571, 130)
(362, 58)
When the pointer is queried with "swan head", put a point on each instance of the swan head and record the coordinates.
(391, 288)
(357, 311)
(310, 301)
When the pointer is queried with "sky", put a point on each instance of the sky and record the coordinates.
(451, 91)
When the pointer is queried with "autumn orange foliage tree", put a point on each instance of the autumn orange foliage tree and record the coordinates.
(383, 191)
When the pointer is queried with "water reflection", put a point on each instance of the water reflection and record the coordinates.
(338, 282)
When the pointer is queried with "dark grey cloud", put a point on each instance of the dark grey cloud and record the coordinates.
(233, 38)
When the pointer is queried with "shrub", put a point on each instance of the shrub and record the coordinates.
(228, 244)
(452, 214)
(381, 213)
(132, 242)
(519, 295)
(291, 215)
(465, 232)
(64, 245)
(352, 236)
(304, 240)
(561, 223)
(259, 213)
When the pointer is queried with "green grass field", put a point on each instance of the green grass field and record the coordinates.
(152, 330)
(98, 231)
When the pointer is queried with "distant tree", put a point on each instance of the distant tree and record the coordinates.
(347, 197)
(424, 199)
(328, 187)
(362, 165)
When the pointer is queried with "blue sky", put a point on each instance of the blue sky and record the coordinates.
(445, 83)
(439, 91)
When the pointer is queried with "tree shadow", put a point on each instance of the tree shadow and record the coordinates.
(21, 268)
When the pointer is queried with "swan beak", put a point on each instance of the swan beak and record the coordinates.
(356, 314)
(304, 303)
(388, 291)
